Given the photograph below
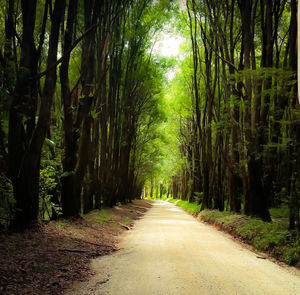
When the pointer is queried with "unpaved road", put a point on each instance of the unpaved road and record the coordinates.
(170, 252)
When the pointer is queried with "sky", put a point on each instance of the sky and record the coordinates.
(168, 45)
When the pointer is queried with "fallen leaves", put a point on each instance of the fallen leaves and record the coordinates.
(48, 259)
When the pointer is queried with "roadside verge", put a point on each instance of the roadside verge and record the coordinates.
(272, 238)
(49, 258)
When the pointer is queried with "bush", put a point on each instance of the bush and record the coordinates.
(7, 202)
(48, 185)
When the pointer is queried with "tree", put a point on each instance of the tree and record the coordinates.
(238, 103)
(26, 136)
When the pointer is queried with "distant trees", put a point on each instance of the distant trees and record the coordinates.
(240, 139)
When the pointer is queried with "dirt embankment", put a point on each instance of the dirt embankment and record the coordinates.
(50, 257)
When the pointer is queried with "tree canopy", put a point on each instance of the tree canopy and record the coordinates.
(90, 116)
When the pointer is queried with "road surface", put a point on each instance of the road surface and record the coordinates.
(170, 252)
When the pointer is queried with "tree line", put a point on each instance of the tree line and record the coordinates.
(239, 133)
(80, 100)
(85, 120)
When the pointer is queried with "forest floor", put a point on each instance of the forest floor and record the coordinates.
(47, 259)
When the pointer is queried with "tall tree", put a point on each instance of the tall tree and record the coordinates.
(26, 137)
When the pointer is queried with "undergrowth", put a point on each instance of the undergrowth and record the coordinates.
(271, 237)
(190, 207)
(98, 216)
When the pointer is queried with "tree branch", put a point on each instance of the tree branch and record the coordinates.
(54, 65)
(215, 51)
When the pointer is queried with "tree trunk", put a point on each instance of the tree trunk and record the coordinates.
(25, 161)
(257, 203)
(70, 136)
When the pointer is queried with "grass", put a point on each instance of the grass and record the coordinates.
(271, 237)
(127, 221)
(192, 208)
(280, 212)
(98, 216)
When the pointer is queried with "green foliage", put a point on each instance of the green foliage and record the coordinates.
(50, 143)
(282, 211)
(99, 216)
(48, 183)
(198, 196)
(47, 180)
(161, 114)
(104, 216)
(50, 172)
(273, 238)
(291, 255)
(192, 208)
(7, 201)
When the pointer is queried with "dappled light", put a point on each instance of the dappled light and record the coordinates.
(176, 221)
(175, 209)
(160, 203)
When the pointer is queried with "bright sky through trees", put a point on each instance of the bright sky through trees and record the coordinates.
(168, 45)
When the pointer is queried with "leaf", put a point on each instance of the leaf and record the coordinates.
(50, 143)
(94, 114)
(67, 174)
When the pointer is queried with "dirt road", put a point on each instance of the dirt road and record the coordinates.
(170, 252)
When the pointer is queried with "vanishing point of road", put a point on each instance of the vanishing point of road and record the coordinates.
(169, 252)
